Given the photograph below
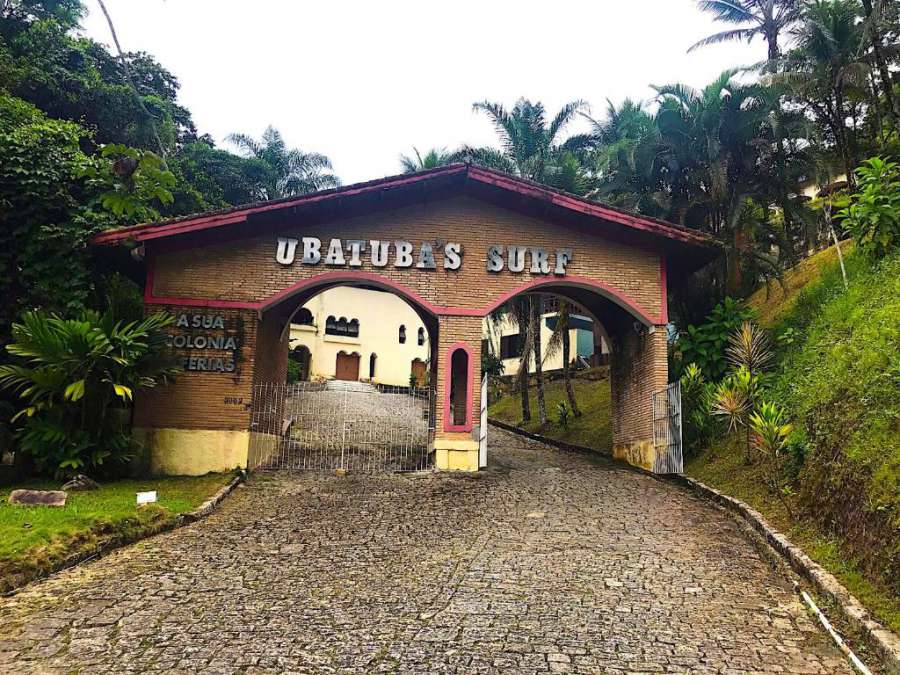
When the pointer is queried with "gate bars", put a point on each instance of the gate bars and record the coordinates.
(667, 430)
(356, 426)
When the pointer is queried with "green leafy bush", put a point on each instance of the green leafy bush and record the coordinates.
(563, 413)
(705, 344)
(73, 378)
(873, 216)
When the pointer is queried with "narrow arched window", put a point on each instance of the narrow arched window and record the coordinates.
(342, 326)
(304, 317)
(353, 328)
(402, 336)
(373, 359)
(421, 338)
(330, 326)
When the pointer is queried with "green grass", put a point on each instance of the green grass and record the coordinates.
(773, 301)
(838, 377)
(592, 429)
(33, 538)
(722, 466)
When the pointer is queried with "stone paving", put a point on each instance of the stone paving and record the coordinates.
(548, 562)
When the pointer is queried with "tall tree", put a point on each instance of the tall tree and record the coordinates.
(560, 340)
(536, 310)
(432, 159)
(768, 19)
(532, 147)
(291, 171)
(828, 74)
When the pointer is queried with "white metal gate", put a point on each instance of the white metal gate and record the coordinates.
(483, 428)
(323, 426)
(667, 430)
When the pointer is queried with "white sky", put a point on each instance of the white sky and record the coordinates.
(363, 81)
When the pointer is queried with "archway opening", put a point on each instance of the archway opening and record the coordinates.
(548, 360)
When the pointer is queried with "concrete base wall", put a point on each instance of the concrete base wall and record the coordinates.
(641, 453)
(193, 452)
(455, 454)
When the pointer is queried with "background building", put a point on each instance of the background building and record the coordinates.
(349, 333)
(502, 336)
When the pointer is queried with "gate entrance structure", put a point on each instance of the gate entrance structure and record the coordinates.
(323, 426)
(455, 243)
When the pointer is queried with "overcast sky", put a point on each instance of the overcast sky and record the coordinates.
(365, 81)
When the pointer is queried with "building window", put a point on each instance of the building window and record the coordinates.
(511, 346)
(372, 360)
(402, 335)
(421, 338)
(342, 327)
(303, 317)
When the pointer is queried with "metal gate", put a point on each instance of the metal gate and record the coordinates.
(323, 426)
(667, 430)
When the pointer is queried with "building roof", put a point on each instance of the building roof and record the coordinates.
(686, 249)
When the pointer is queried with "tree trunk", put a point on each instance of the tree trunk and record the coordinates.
(566, 348)
(887, 82)
(523, 392)
(538, 368)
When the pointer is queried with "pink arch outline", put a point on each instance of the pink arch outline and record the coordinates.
(620, 298)
(609, 292)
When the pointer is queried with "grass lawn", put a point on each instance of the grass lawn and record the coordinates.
(33, 539)
(771, 303)
(592, 429)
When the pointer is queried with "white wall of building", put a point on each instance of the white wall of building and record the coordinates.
(493, 331)
(380, 316)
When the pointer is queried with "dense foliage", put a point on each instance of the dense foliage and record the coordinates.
(71, 373)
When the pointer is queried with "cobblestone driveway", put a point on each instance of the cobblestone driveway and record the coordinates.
(548, 562)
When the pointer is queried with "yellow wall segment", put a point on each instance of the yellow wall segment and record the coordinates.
(455, 454)
(640, 454)
(193, 452)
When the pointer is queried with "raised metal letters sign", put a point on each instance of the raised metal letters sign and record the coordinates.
(204, 333)
(403, 254)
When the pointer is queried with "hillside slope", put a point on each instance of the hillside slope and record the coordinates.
(839, 379)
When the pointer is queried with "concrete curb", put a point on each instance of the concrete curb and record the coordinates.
(884, 640)
(110, 545)
(210, 504)
(562, 445)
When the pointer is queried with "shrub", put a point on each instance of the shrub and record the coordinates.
(704, 345)
(696, 408)
(873, 216)
(563, 413)
(770, 433)
(74, 377)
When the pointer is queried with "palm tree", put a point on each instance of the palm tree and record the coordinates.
(828, 73)
(768, 19)
(530, 146)
(534, 328)
(561, 340)
(293, 172)
(431, 160)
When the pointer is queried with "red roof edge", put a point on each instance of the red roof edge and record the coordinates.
(203, 221)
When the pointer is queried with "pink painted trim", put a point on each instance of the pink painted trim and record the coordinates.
(448, 376)
(664, 291)
(482, 175)
(609, 292)
(339, 277)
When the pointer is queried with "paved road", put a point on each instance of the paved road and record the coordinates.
(547, 563)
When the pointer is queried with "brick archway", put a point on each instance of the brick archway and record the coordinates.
(453, 242)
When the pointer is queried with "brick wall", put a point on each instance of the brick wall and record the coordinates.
(246, 270)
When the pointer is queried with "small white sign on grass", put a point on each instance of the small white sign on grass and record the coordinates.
(146, 497)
